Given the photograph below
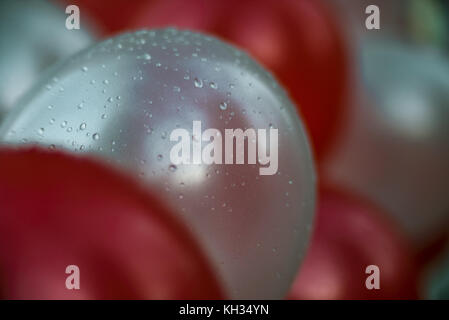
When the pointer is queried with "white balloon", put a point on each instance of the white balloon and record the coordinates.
(121, 100)
(33, 36)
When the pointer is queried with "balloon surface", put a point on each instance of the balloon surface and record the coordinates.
(125, 100)
(395, 150)
(351, 235)
(298, 40)
(58, 211)
(33, 36)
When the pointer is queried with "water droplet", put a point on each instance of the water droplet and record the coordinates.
(41, 131)
(63, 124)
(172, 168)
(96, 136)
(159, 157)
(198, 83)
(213, 85)
(85, 69)
(83, 126)
(223, 106)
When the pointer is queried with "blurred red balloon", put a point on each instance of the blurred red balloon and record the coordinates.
(350, 235)
(297, 39)
(57, 210)
(111, 16)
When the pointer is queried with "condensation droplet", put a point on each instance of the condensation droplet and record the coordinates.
(223, 106)
(198, 83)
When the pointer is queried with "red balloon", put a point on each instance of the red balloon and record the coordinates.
(351, 235)
(110, 16)
(297, 39)
(58, 210)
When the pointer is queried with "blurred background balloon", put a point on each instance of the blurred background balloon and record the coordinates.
(111, 16)
(396, 149)
(58, 210)
(350, 235)
(437, 284)
(33, 37)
